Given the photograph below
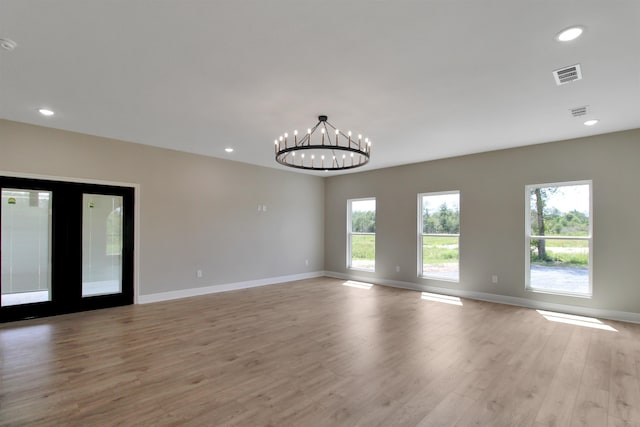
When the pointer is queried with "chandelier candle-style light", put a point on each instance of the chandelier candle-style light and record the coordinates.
(331, 150)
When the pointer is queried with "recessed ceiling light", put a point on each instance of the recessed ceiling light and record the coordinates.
(590, 122)
(229, 150)
(569, 34)
(45, 112)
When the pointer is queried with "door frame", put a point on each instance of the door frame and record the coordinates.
(136, 212)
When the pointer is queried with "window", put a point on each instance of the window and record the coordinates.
(439, 235)
(361, 234)
(558, 234)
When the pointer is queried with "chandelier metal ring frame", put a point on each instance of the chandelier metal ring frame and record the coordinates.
(334, 150)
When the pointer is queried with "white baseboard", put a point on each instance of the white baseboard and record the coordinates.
(623, 316)
(192, 292)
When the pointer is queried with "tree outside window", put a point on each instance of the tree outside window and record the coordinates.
(559, 238)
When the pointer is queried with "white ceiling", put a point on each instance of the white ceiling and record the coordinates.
(423, 79)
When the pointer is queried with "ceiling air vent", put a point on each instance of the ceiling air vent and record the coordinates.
(567, 74)
(578, 111)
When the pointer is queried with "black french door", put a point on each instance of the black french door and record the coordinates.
(65, 247)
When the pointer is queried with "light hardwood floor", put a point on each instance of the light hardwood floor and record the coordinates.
(316, 352)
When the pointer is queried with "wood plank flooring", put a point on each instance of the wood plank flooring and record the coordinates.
(318, 353)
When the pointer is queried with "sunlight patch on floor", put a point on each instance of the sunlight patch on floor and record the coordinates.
(447, 299)
(13, 338)
(359, 285)
(571, 319)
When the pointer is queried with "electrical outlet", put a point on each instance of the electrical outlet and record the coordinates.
(494, 278)
(397, 269)
(199, 274)
(306, 262)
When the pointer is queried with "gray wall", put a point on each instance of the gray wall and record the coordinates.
(492, 202)
(196, 212)
(201, 213)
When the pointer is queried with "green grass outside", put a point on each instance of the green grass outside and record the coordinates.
(561, 259)
(561, 243)
(444, 250)
(435, 250)
(440, 250)
(567, 253)
(363, 247)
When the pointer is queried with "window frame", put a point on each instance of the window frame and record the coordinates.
(421, 235)
(529, 237)
(350, 234)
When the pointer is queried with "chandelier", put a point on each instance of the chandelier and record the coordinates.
(331, 150)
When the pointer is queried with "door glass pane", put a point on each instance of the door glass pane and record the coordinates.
(26, 246)
(101, 244)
